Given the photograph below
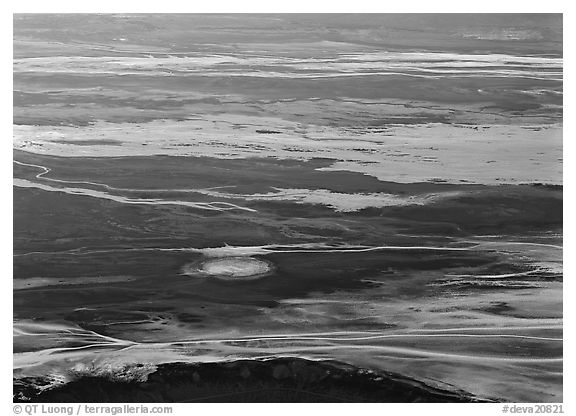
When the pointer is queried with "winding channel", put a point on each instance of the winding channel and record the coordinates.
(24, 183)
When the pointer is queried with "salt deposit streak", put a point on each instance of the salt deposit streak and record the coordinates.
(437, 65)
(212, 206)
(340, 202)
(523, 156)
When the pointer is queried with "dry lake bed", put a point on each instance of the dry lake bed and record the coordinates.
(320, 207)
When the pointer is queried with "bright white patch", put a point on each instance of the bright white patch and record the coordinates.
(342, 202)
(405, 154)
(231, 268)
